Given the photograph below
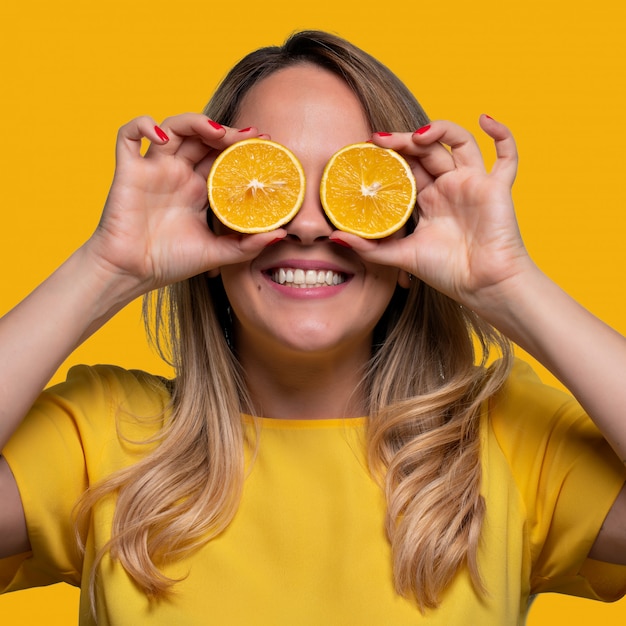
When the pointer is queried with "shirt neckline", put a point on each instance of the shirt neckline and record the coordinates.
(301, 424)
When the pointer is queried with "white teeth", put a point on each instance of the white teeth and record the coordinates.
(295, 277)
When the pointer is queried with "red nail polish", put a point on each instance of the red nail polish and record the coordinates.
(271, 243)
(341, 242)
(245, 130)
(489, 117)
(216, 125)
(422, 130)
(383, 134)
(162, 136)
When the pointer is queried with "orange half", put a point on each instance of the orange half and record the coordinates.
(368, 190)
(256, 185)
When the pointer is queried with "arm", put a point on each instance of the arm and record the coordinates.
(156, 202)
(467, 245)
(13, 534)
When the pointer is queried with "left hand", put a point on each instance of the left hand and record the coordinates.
(467, 243)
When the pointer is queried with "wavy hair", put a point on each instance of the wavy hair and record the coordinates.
(431, 371)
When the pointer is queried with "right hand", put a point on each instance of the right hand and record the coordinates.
(154, 226)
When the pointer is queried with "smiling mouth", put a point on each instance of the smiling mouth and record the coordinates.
(307, 279)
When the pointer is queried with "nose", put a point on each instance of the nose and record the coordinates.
(310, 223)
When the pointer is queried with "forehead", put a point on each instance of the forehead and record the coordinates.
(303, 103)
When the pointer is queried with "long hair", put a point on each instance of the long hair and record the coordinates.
(432, 368)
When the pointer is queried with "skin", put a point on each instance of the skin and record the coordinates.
(467, 245)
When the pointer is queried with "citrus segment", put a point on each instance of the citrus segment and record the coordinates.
(255, 185)
(367, 190)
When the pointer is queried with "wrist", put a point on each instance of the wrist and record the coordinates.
(516, 305)
(537, 315)
(111, 285)
(92, 290)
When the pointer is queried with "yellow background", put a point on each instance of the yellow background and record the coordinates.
(74, 71)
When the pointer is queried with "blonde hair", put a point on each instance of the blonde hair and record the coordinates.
(425, 385)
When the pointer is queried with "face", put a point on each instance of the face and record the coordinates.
(313, 113)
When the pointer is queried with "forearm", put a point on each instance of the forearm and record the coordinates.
(585, 354)
(43, 330)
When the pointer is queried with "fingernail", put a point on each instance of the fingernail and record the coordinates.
(216, 125)
(489, 117)
(162, 136)
(271, 243)
(422, 130)
(383, 134)
(245, 130)
(263, 136)
(340, 242)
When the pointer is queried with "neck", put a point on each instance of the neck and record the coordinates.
(296, 386)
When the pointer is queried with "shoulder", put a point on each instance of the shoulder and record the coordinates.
(113, 386)
(99, 419)
(97, 404)
(527, 415)
(523, 389)
(548, 441)
(557, 456)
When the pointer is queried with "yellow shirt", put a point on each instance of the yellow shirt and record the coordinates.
(307, 545)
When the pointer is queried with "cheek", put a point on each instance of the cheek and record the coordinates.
(384, 281)
(386, 278)
(233, 284)
(243, 290)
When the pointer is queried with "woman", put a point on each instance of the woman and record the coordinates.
(495, 487)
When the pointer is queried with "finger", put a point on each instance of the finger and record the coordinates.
(203, 167)
(129, 137)
(463, 147)
(505, 166)
(191, 136)
(434, 158)
(392, 251)
(236, 247)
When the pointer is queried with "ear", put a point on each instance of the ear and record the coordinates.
(404, 279)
